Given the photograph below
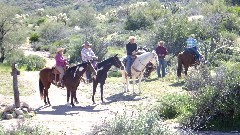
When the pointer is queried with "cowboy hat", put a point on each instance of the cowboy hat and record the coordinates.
(86, 43)
(60, 49)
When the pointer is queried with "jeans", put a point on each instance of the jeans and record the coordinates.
(88, 74)
(194, 49)
(128, 64)
(162, 64)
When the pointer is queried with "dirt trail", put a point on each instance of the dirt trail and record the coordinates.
(79, 120)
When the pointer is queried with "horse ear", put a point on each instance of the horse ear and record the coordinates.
(115, 55)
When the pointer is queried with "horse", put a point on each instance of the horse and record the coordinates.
(138, 67)
(72, 79)
(186, 59)
(102, 69)
(47, 77)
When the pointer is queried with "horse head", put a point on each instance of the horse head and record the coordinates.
(117, 63)
(154, 61)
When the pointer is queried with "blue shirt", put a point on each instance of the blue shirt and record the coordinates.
(191, 42)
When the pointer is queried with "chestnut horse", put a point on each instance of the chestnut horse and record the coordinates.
(71, 80)
(186, 59)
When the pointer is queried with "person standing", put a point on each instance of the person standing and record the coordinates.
(131, 48)
(61, 63)
(161, 51)
(88, 55)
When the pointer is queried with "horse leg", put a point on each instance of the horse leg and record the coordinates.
(186, 69)
(68, 95)
(94, 91)
(75, 98)
(133, 80)
(45, 95)
(139, 83)
(101, 87)
(73, 92)
(124, 79)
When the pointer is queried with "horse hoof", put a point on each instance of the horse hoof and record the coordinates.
(94, 103)
(73, 105)
(77, 102)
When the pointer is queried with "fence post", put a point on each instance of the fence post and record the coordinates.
(15, 73)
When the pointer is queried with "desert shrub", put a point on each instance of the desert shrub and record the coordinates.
(217, 102)
(34, 37)
(174, 105)
(40, 21)
(145, 123)
(14, 57)
(138, 21)
(23, 128)
(32, 63)
(114, 74)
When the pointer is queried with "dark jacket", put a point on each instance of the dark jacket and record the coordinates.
(161, 51)
(130, 48)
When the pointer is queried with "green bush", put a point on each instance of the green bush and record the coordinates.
(174, 105)
(114, 74)
(138, 21)
(24, 128)
(145, 123)
(40, 21)
(32, 63)
(34, 37)
(217, 103)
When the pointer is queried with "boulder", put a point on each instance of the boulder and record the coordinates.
(18, 112)
(9, 108)
(9, 116)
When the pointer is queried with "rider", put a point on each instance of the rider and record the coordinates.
(61, 63)
(88, 55)
(192, 45)
(131, 48)
(161, 52)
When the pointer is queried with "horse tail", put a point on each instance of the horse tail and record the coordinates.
(41, 87)
(179, 68)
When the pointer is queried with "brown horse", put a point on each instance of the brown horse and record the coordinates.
(73, 76)
(71, 80)
(186, 59)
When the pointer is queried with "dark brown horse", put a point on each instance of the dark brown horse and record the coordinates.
(71, 80)
(73, 76)
(185, 59)
(102, 69)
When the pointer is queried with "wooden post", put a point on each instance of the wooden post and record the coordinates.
(14, 73)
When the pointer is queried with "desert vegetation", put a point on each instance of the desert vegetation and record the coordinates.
(210, 98)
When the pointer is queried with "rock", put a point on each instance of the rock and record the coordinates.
(14, 115)
(24, 105)
(20, 117)
(9, 108)
(25, 110)
(9, 116)
(18, 112)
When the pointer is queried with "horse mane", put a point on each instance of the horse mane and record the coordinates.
(74, 67)
(104, 62)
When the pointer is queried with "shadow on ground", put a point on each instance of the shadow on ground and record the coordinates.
(65, 110)
(122, 97)
(177, 84)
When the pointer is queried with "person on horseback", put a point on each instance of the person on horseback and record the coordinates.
(192, 46)
(161, 52)
(131, 48)
(61, 63)
(88, 55)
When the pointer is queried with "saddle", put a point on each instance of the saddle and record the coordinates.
(193, 53)
(133, 59)
(56, 74)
